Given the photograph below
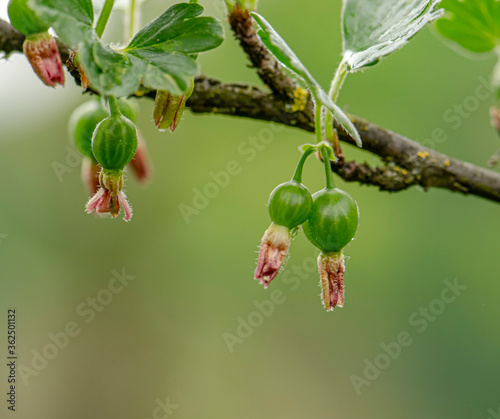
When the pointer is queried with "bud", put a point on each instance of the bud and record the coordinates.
(168, 108)
(331, 272)
(90, 174)
(273, 250)
(140, 163)
(43, 55)
(110, 197)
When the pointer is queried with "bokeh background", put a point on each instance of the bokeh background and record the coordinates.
(164, 336)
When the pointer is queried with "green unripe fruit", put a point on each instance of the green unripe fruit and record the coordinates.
(114, 142)
(24, 19)
(83, 123)
(290, 204)
(85, 118)
(128, 108)
(333, 220)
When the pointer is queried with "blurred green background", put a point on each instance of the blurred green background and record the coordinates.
(162, 337)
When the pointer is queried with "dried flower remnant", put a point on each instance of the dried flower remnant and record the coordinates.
(331, 271)
(43, 55)
(168, 108)
(273, 250)
(110, 197)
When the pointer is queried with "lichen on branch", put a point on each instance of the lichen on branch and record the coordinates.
(407, 163)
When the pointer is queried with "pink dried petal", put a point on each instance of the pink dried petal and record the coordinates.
(273, 250)
(110, 198)
(126, 206)
(105, 203)
(331, 269)
(95, 200)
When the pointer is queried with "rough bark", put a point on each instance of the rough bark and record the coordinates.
(407, 163)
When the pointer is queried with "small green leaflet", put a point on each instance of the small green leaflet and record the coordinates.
(310, 148)
(170, 71)
(71, 19)
(109, 72)
(372, 29)
(284, 54)
(180, 29)
(473, 24)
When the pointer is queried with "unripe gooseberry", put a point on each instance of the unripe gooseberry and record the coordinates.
(83, 123)
(128, 108)
(333, 220)
(87, 116)
(114, 142)
(290, 204)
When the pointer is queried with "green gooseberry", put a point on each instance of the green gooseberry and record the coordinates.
(290, 204)
(82, 125)
(114, 142)
(85, 118)
(128, 108)
(333, 220)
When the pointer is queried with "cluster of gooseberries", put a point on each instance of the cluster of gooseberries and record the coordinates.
(329, 219)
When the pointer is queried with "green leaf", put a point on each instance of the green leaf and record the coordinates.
(473, 24)
(71, 19)
(109, 72)
(373, 29)
(329, 151)
(308, 148)
(338, 114)
(170, 71)
(280, 49)
(284, 54)
(180, 29)
(120, 74)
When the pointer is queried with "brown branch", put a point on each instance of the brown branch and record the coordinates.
(407, 162)
(11, 40)
(268, 69)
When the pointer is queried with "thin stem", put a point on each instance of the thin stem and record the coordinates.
(317, 120)
(330, 184)
(104, 17)
(113, 106)
(338, 81)
(193, 1)
(131, 23)
(335, 87)
(297, 176)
